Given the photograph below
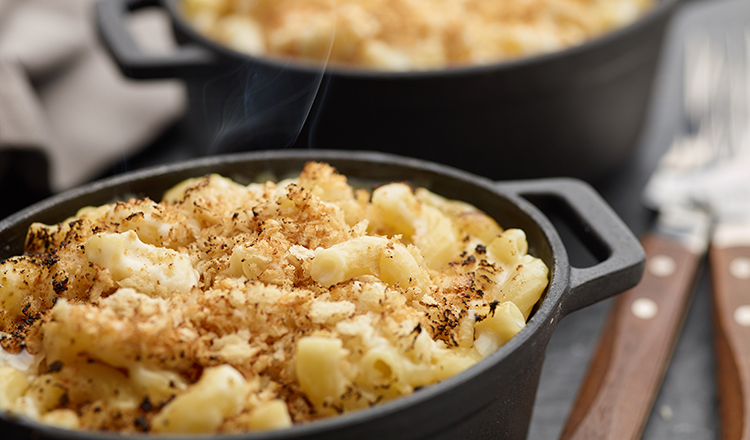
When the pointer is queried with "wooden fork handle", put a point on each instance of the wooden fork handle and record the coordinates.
(635, 347)
(730, 272)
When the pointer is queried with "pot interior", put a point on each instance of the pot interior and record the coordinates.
(362, 169)
(187, 31)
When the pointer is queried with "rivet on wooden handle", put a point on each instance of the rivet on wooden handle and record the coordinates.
(730, 274)
(637, 341)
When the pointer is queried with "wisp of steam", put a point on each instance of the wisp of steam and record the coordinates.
(268, 107)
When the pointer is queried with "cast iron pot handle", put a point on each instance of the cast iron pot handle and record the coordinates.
(599, 228)
(111, 17)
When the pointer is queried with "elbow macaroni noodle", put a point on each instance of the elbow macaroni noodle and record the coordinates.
(231, 308)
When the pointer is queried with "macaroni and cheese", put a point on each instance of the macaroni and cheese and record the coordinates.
(232, 308)
(408, 34)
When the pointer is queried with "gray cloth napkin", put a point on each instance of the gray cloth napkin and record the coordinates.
(62, 98)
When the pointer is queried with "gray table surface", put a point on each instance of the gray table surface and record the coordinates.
(686, 407)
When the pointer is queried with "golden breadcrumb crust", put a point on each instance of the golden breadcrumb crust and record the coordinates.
(253, 299)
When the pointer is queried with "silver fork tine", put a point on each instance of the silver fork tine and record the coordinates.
(697, 81)
(738, 91)
(718, 117)
(723, 184)
(744, 96)
(690, 148)
(714, 131)
(746, 140)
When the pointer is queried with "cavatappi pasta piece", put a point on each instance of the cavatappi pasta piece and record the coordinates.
(44, 393)
(228, 308)
(385, 367)
(425, 226)
(347, 260)
(451, 362)
(96, 381)
(249, 261)
(132, 263)
(526, 284)
(318, 367)
(13, 384)
(61, 418)
(270, 415)
(516, 276)
(436, 238)
(219, 393)
(509, 246)
(388, 260)
(159, 385)
(504, 322)
(397, 208)
(444, 363)
(466, 219)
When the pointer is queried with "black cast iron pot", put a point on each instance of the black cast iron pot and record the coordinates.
(577, 112)
(491, 400)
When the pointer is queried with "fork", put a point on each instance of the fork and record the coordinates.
(717, 140)
(689, 187)
(729, 254)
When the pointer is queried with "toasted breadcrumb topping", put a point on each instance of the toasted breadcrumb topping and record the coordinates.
(130, 308)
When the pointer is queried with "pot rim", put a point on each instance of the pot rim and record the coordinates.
(547, 313)
(662, 9)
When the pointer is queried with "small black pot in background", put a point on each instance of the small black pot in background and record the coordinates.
(577, 112)
(491, 400)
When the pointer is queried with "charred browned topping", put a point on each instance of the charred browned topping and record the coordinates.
(55, 367)
(146, 404)
(253, 300)
(142, 424)
(493, 306)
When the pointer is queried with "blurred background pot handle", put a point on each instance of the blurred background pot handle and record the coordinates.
(620, 256)
(111, 21)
